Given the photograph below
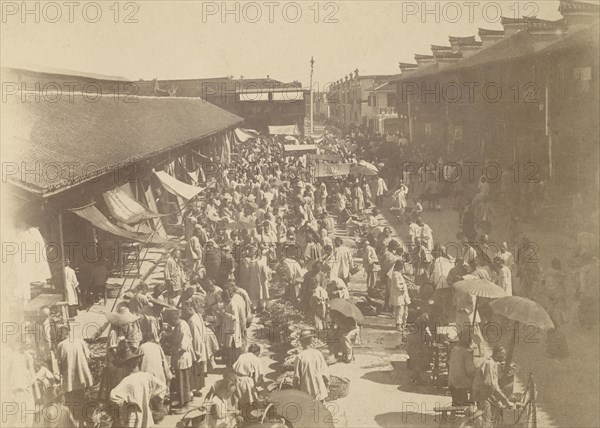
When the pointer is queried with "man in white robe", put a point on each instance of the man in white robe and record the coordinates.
(504, 277)
(155, 362)
(311, 374)
(233, 317)
(250, 375)
(73, 355)
(193, 312)
(72, 289)
(135, 392)
(344, 258)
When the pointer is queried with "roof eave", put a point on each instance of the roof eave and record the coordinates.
(65, 185)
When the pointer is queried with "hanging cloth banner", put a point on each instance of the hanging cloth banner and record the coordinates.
(225, 149)
(98, 220)
(125, 209)
(284, 130)
(176, 187)
(244, 135)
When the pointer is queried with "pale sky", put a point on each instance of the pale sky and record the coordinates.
(191, 39)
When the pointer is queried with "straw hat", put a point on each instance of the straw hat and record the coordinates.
(122, 317)
(307, 333)
(159, 302)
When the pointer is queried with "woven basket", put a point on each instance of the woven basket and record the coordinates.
(338, 388)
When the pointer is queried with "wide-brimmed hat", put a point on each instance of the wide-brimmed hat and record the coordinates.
(393, 244)
(307, 333)
(122, 317)
(187, 294)
(128, 355)
(127, 296)
(158, 302)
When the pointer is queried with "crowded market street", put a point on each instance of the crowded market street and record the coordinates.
(412, 244)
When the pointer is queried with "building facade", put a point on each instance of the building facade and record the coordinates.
(354, 101)
(527, 95)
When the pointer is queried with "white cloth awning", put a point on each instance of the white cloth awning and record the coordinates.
(331, 169)
(284, 130)
(125, 209)
(299, 147)
(98, 220)
(176, 187)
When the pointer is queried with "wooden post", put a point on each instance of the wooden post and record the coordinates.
(511, 348)
(61, 243)
(410, 124)
(533, 421)
(475, 312)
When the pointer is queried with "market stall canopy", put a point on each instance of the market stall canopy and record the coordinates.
(178, 188)
(53, 139)
(332, 169)
(92, 214)
(299, 147)
(125, 209)
(284, 130)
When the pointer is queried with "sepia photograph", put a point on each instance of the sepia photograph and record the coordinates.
(298, 214)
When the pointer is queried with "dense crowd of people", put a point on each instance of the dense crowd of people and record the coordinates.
(265, 219)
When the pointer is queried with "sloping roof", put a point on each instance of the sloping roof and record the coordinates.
(427, 70)
(43, 69)
(487, 32)
(204, 87)
(435, 48)
(567, 6)
(95, 137)
(519, 45)
(516, 46)
(422, 56)
(583, 39)
(386, 86)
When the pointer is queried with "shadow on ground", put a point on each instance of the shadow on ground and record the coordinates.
(410, 418)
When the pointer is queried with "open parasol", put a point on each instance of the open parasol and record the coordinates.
(520, 309)
(358, 169)
(368, 165)
(479, 288)
(300, 409)
(347, 309)
(523, 310)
